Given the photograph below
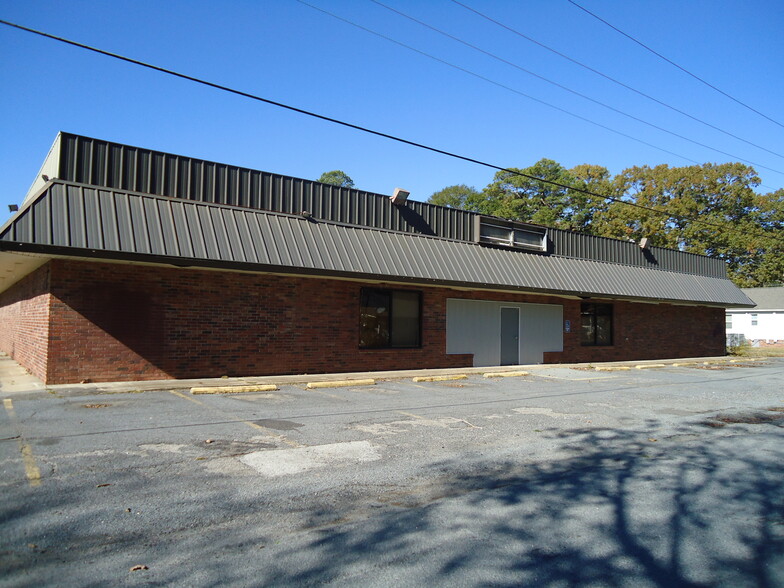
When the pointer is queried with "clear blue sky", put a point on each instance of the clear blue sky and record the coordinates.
(291, 53)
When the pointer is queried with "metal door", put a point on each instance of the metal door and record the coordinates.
(510, 336)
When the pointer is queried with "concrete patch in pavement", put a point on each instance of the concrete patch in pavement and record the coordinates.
(542, 411)
(283, 462)
(396, 427)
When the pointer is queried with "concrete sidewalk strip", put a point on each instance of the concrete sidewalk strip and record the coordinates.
(440, 378)
(646, 366)
(340, 383)
(505, 374)
(14, 379)
(233, 389)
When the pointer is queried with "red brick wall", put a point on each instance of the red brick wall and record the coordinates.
(24, 321)
(130, 322)
(648, 331)
(124, 322)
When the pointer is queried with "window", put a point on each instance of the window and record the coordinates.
(596, 323)
(389, 318)
(729, 322)
(510, 234)
(753, 319)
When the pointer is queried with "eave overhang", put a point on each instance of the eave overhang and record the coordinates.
(82, 221)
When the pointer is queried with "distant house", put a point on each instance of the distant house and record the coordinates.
(762, 325)
(124, 263)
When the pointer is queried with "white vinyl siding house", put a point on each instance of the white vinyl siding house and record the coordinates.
(763, 324)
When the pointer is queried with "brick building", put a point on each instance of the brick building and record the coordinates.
(128, 264)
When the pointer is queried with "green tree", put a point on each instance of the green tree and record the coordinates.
(763, 264)
(521, 194)
(458, 196)
(337, 178)
(590, 205)
(514, 194)
(710, 209)
(638, 190)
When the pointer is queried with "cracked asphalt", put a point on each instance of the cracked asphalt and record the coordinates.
(565, 477)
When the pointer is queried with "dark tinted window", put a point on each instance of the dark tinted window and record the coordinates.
(596, 324)
(389, 318)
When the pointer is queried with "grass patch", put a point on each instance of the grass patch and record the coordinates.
(749, 351)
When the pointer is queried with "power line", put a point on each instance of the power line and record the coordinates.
(495, 83)
(349, 125)
(533, 98)
(609, 78)
(683, 69)
(581, 95)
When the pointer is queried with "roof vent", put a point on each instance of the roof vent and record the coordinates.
(399, 196)
(644, 243)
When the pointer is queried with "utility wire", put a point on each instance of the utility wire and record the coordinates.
(353, 126)
(498, 84)
(518, 92)
(609, 78)
(575, 92)
(523, 94)
(683, 69)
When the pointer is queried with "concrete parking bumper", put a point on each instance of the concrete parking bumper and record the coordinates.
(341, 383)
(14, 380)
(233, 389)
(505, 374)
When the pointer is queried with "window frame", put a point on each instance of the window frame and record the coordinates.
(608, 311)
(390, 292)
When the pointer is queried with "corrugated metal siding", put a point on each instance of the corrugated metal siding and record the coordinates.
(99, 163)
(581, 246)
(85, 218)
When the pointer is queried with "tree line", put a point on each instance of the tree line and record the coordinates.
(711, 209)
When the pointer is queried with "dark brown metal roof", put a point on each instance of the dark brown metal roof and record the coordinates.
(86, 221)
(99, 163)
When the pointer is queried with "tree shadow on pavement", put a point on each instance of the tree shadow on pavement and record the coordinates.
(696, 508)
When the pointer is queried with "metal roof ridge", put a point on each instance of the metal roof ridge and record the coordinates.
(210, 161)
(357, 190)
(275, 213)
(188, 201)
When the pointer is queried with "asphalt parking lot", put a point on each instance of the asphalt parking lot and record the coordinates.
(564, 477)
